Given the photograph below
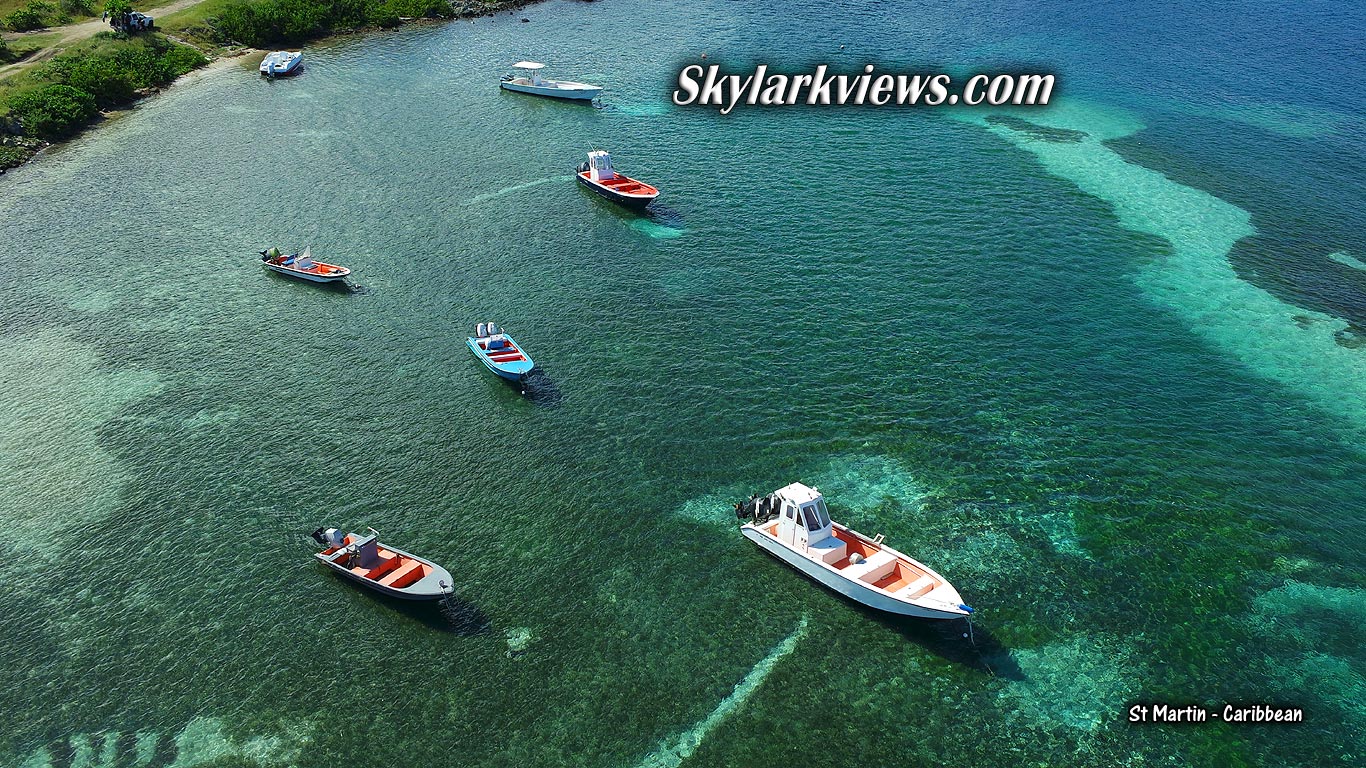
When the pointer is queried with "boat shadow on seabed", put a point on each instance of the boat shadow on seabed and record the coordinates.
(453, 614)
(539, 389)
(959, 641)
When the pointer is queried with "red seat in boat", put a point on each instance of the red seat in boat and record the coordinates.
(409, 572)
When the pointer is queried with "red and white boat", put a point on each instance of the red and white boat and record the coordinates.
(598, 175)
(302, 265)
(793, 525)
(385, 569)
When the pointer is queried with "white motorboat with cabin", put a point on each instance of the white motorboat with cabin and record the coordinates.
(281, 63)
(533, 83)
(793, 524)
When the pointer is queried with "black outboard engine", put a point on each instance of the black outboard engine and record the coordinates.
(755, 509)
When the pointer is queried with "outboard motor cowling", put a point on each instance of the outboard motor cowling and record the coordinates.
(493, 328)
(480, 330)
(334, 537)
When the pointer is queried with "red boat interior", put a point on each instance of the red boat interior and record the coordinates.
(508, 353)
(394, 570)
(625, 185)
(899, 577)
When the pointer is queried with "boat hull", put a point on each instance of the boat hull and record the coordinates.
(309, 275)
(851, 588)
(587, 93)
(513, 371)
(427, 588)
(634, 202)
(271, 69)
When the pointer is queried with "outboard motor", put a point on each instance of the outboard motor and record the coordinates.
(330, 537)
(480, 329)
(493, 329)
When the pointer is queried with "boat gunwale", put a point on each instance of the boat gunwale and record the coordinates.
(899, 555)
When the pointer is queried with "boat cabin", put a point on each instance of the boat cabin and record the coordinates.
(803, 520)
(600, 166)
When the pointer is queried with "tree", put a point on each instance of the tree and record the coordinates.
(118, 8)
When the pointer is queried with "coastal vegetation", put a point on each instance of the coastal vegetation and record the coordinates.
(37, 14)
(57, 98)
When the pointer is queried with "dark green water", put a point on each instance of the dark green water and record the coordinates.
(1102, 378)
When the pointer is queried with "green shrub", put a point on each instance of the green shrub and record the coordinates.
(272, 22)
(78, 7)
(25, 19)
(114, 73)
(53, 111)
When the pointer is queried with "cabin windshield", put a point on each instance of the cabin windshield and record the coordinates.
(816, 515)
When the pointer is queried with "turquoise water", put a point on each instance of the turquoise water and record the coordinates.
(1098, 364)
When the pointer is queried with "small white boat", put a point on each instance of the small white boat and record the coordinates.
(281, 63)
(533, 83)
(303, 266)
(385, 569)
(793, 524)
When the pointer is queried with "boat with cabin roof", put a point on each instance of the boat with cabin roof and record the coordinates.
(532, 82)
(598, 175)
(303, 266)
(499, 352)
(385, 569)
(793, 524)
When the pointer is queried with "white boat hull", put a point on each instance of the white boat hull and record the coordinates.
(578, 91)
(853, 589)
(278, 66)
(307, 275)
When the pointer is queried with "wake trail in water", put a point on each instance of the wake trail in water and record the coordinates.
(672, 752)
(477, 199)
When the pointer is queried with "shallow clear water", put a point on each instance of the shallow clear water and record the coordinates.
(1100, 368)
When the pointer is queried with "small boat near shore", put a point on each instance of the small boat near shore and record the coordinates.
(385, 569)
(533, 83)
(499, 352)
(598, 175)
(303, 266)
(281, 63)
(793, 524)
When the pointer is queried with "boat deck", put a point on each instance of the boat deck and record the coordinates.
(879, 568)
(506, 354)
(624, 185)
(394, 570)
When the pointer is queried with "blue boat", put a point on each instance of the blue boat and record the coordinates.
(499, 352)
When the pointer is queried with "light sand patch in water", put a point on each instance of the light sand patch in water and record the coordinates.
(1075, 683)
(1195, 281)
(54, 396)
(672, 752)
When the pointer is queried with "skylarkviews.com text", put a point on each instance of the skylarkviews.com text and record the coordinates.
(707, 86)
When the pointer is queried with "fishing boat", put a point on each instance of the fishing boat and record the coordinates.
(793, 524)
(532, 82)
(281, 63)
(499, 353)
(385, 569)
(598, 175)
(302, 265)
